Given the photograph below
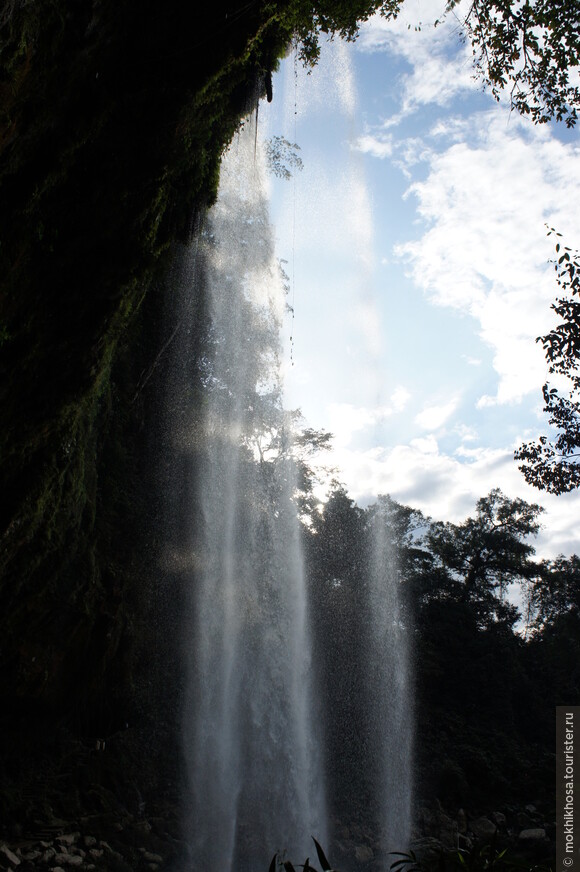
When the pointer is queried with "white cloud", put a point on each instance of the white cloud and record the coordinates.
(400, 398)
(441, 65)
(447, 488)
(483, 249)
(345, 419)
(380, 146)
(433, 417)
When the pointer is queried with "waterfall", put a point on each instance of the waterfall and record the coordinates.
(326, 228)
(253, 780)
(389, 681)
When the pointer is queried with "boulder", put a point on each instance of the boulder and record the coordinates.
(363, 854)
(68, 839)
(537, 834)
(483, 829)
(7, 854)
(69, 859)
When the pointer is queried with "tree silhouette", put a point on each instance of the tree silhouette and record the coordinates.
(547, 464)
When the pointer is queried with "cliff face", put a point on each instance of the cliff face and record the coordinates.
(113, 118)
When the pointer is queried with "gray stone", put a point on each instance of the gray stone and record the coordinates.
(483, 829)
(499, 818)
(538, 834)
(363, 854)
(10, 855)
(152, 858)
(68, 839)
(426, 849)
(48, 855)
(461, 821)
(96, 852)
(447, 830)
(89, 841)
(69, 859)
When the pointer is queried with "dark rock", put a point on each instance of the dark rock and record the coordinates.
(483, 829)
(362, 853)
(538, 834)
(7, 855)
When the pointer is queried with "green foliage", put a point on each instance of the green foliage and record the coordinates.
(332, 18)
(552, 464)
(288, 866)
(281, 154)
(532, 48)
(483, 681)
(478, 858)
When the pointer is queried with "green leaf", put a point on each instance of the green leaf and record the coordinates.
(321, 857)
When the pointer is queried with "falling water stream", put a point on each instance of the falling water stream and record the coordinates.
(254, 744)
(253, 755)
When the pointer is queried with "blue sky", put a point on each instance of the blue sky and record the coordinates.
(416, 246)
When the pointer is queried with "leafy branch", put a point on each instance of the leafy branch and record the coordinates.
(552, 464)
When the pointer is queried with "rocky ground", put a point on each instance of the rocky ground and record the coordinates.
(131, 843)
(132, 846)
(527, 832)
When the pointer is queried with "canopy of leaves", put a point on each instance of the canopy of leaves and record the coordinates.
(533, 47)
(333, 18)
(547, 464)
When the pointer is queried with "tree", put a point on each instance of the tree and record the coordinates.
(333, 18)
(556, 591)
(486, 554)
(532, 46)
(281, 154)
(547, 464)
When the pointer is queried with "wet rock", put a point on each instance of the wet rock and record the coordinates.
(7, 854)
(68, 839)
(483, 829)
(426, 849)
(363, 854)
(447, 831)
(69, 859)
(537, 834)
(152, 858)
